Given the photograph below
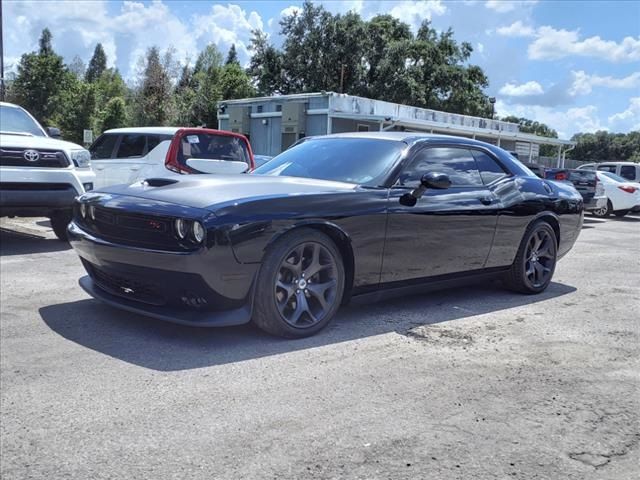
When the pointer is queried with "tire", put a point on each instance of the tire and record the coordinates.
(59, 223)
(604, 211)
(291, 300)
(533, 268)
(621, 213)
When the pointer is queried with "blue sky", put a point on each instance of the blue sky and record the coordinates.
(574, 65)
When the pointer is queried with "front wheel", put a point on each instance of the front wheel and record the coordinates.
(59, 223)
(300, 285)
(535, 262)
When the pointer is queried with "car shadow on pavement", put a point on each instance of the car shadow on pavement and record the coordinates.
(21, 243)
(164, 346)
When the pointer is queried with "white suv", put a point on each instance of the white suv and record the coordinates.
(39, 175)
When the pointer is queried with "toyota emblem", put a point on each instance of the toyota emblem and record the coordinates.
(31, 155)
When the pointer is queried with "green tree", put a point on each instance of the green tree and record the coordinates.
(603, 146)
(40, 78)
(536, 128)
(109, 85)
(114, 115)
(380, 58)
(97, 64)
(77, 105)
(235, 83)
(232, 56)
(77, 67)
(153, 100)
(265, 66)
(207, 73)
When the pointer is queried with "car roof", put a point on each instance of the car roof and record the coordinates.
(149, 130)
(407, 137)
(617, 163)
(7, 104)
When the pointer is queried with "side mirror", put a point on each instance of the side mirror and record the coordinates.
(205, 165)
(437, 181)
(53, 132)
(433, 180)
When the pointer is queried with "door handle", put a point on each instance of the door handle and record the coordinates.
(486, 200)
(135, 168)
(99, 168)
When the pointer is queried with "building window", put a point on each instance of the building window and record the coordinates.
(259, 108)
(363, 128)
(278, 107)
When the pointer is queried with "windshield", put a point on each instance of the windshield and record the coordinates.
(16, 120)
(615, 177)
(363, 161)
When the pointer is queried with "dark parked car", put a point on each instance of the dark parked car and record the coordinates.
(333, 218)
(585, 181)
(539, 170)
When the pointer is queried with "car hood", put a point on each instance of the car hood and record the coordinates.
(215, 191)
(29, 141)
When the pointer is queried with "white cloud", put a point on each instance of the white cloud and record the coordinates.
(629, 119)
(502, 6)
(414, 12)
(480, 47)
(523, 90)
(78, 25)
(227, 25)
(565, 122)
(583, 83)
(552, 44)
(516, 29)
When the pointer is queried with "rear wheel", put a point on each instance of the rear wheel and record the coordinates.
(535, 262)
(59, 223)
(604, 211)
(621, 213)
(300, 285)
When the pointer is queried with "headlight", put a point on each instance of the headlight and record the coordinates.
(198, 232)
(83, 210)
(82, 158)
(181, 228)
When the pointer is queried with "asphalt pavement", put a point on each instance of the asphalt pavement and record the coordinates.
(473, 383)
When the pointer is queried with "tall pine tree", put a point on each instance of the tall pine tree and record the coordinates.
(97, 64)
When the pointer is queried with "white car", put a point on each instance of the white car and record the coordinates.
(628, 170)
(40, 176)
(622, 196)
(128, 155)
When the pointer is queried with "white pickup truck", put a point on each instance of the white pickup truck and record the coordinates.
(39, 175)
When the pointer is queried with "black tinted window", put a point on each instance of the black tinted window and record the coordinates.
(628, 172)
(154, 140)
(458, 163)
(103, 147)
(490, 170)
(607, 168)
(131, 146)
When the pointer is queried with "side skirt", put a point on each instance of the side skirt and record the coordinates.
(427, 284)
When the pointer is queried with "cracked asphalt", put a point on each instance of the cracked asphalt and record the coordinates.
(474, 383)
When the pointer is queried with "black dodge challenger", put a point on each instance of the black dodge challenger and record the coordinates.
(357, 215)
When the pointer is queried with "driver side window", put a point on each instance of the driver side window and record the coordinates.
(458, 163)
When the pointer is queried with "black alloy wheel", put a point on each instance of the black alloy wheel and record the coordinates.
(306, 285)
(535, 262)
(540, 258)
(300, 284)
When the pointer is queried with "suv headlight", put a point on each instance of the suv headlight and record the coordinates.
(82, 158)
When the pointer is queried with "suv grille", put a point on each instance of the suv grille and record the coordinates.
(125, 287)
(31, 157)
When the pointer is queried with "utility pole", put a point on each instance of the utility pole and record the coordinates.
(1, 57)
(492, 101)
(342, 78)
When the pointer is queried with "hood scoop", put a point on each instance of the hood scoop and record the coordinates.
(159, 182)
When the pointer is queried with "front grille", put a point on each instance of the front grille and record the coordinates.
(34, 186)
(48, 158)
(125, 287)
(147, 231)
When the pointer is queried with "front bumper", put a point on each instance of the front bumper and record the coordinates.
(202, 288)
